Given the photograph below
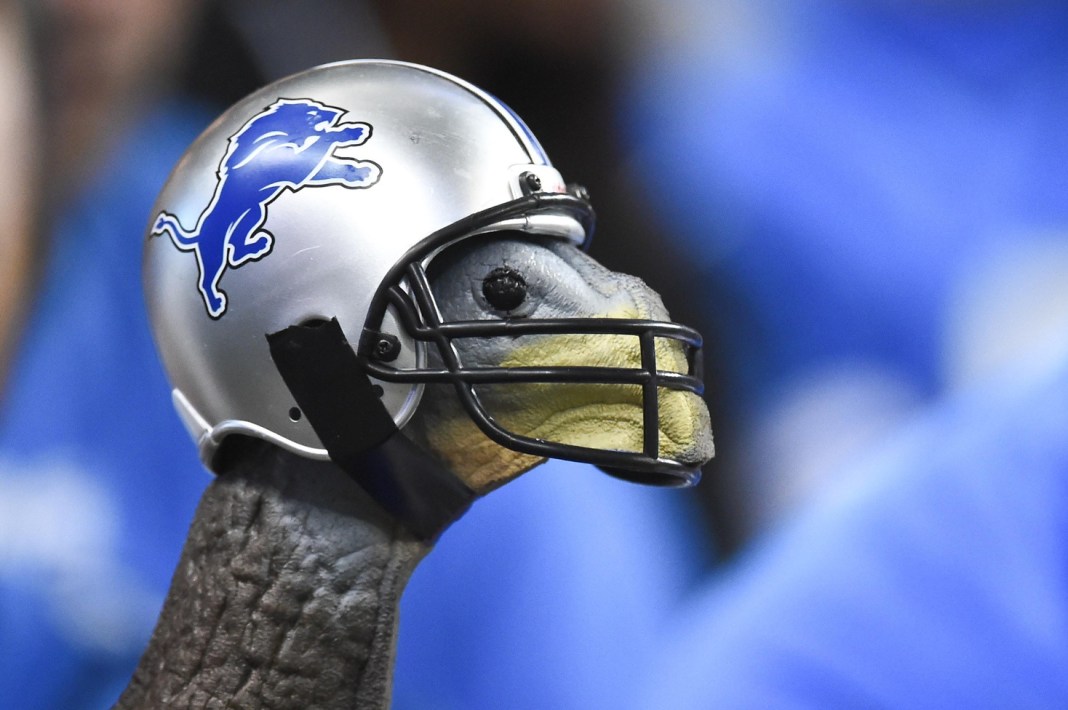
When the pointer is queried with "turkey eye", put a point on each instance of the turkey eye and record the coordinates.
(504, 288)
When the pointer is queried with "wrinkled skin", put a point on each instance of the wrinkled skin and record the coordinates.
(285, 596)
(287, 592)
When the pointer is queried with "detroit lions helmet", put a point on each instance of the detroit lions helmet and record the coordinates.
(318, 202)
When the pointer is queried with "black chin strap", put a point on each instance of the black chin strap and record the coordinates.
(342, 406)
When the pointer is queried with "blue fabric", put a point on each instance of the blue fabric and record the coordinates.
(837, 172)
(549, 594)
(552, 592)
(97, 478)
(938, 578)
(840, 174)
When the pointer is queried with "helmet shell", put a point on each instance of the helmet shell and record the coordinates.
(442, 149)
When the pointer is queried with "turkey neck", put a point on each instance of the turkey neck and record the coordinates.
(285, 596)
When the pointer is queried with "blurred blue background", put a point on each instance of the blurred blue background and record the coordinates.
(863, 207)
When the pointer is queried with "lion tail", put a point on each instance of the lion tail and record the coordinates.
(169, 224)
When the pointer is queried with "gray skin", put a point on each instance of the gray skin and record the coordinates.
(287, 591)
(285, 596)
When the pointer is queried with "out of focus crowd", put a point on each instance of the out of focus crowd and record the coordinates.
(862, 205)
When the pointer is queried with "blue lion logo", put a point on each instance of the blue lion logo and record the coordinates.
(290, 145)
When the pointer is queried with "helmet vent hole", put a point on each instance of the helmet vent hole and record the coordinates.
(294, 414)
(377, 389)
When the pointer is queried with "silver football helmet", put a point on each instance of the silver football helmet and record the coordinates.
(318, 202)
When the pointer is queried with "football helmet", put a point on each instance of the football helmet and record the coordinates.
(288, 252)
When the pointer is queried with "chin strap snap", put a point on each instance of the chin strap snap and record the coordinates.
(344, 409)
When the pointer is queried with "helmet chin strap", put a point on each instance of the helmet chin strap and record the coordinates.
(323, 375)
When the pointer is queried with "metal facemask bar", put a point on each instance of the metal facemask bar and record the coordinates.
(328, 380)
(419, 315)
